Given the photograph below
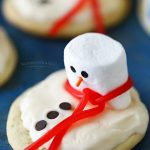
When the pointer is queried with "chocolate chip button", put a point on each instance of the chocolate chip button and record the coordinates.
(65, 106)
(52, 114)
(40, 125)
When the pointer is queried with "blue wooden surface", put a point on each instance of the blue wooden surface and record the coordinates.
(39, 57)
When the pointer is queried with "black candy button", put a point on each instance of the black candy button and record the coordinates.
(65, 106)
(40, 125)
(52, 114)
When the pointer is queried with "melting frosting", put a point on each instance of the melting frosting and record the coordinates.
(55, 9)
(96, 132)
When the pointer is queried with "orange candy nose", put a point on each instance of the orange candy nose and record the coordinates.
(79, 82)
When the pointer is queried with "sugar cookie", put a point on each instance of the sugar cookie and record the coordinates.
(144, 14)
(43, 17)
(8, 57)
(92, 105)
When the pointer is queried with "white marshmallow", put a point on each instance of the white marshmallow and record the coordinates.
(104, 60)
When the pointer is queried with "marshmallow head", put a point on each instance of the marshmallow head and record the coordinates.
(95, 61)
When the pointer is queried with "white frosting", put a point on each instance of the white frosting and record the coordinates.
(52, 11)
(55, 9)
(4, 51)
(91, 133)
(104, 60)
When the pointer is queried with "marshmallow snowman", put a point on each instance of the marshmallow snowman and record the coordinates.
(97, 62)
(54, 104)
(92, 61)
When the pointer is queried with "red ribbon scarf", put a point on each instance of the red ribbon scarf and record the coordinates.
(88, 95)
(97, 16)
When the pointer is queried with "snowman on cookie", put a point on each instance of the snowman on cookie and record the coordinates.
(93, 63)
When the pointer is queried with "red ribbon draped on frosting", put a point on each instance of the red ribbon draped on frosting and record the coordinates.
(88, 95)
(97, 16)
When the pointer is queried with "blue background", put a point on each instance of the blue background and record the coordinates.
(39, 57)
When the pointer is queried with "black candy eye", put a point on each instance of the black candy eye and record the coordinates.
(84, 74)
(65, 106)
(40, 125)
(52, 114)
(73, 69)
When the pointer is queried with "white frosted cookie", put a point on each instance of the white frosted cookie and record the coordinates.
(8, 57)
(91, 105)
(127, 127)
(40, 16)
(144, 14)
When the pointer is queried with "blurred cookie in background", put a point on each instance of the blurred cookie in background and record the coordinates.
(60, 19)
(8, 57)
(144, 14)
